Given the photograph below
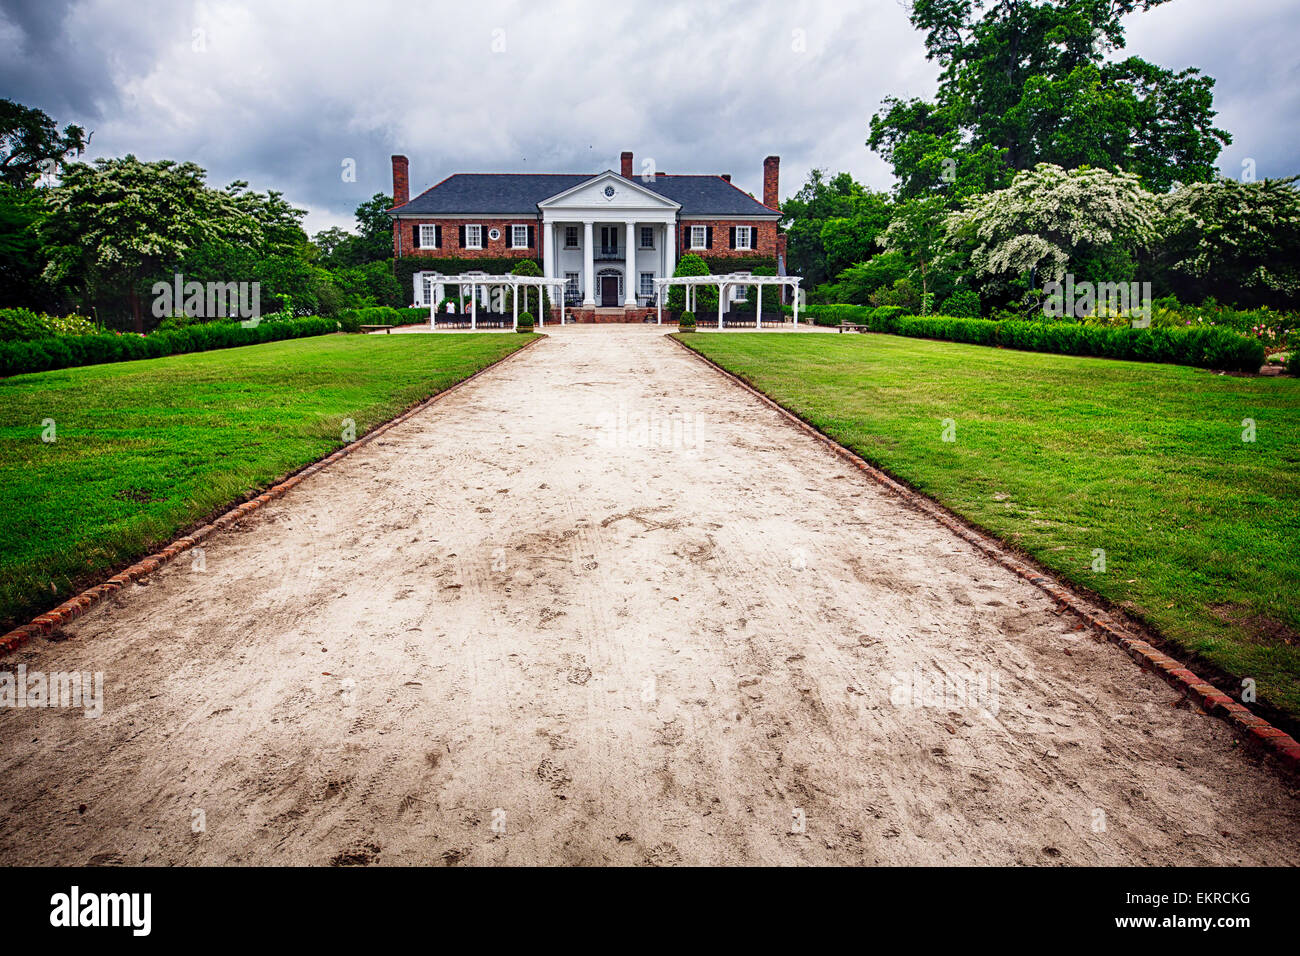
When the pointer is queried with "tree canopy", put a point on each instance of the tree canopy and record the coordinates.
(832, 223)
(31, 144)
(1025, 82)
(114, 223)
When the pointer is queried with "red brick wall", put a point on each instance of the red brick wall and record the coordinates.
(401, 181)
(771, 182)
(764, 243)
(492, 249)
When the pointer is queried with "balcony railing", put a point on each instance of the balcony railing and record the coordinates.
(607, 252)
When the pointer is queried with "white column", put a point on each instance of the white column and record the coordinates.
(588, 266)
(515, 301)
(544, 241)
(629, 269)
(759, 317)
(659, 302)
(722, 296)
(796, 306)
(473, 306)
(670, 248)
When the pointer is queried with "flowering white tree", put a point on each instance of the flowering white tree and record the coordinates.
(1236, 240)
(1048, 216)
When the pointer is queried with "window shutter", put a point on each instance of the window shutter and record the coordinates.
(415, 236)
(437, 235)
(733, 237)
(462, 236)
(708, 237)
(531, 234)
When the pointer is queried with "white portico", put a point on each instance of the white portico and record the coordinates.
(609, 238)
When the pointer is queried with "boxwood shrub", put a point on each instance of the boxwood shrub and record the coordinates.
(1203, 347)
(73, 350)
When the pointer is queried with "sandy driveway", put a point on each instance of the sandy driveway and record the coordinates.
(602, 606)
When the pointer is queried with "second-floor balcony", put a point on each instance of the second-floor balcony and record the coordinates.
(607, 252)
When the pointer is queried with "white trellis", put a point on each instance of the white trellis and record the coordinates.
(511, 282)
(724, 284)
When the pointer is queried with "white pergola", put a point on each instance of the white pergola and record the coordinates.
(724, 284)
(511, 282)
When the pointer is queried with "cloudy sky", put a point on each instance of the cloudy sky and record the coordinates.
(283, 92)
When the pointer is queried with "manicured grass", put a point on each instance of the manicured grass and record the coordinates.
(145, 449)
(1061, 456)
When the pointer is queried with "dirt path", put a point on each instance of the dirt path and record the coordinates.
(523, 612)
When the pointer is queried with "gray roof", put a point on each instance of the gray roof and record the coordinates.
(513, 194)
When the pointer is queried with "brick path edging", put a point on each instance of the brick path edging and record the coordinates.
(1249, 727)
(76, 606)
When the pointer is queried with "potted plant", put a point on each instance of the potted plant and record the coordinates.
(686, 323)
(525, 322)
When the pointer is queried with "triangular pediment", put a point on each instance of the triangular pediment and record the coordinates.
(608, 190)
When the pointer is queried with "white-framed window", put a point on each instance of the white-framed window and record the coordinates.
(571, 284)
(647, 284)
(647, 237)
(699, 237)
(570, 237)
(428, 236)
(474, 237)
(744, 237)
(519, 237)
(740, 293)
(428, 291)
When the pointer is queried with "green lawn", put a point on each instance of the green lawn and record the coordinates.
(1060, 456)
(145, 449)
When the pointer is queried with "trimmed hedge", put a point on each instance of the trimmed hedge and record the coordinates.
(73, 350)
(351, 320)
(835, 314)
(1203, 346)
(878, 319)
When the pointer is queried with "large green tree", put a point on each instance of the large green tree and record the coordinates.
(1025, 82)
(117, 223)
(372, 242)
(31, 144)
(832, 223)
(918, 234)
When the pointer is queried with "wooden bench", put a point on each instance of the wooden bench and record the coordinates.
(852, 327)
(388, 329)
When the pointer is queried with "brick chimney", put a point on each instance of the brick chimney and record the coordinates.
(771, 182)
(627, 164)
(401, 181)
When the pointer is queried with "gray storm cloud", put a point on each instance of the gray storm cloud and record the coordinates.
(282, 94)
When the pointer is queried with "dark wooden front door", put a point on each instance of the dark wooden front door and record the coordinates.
(609, 291)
